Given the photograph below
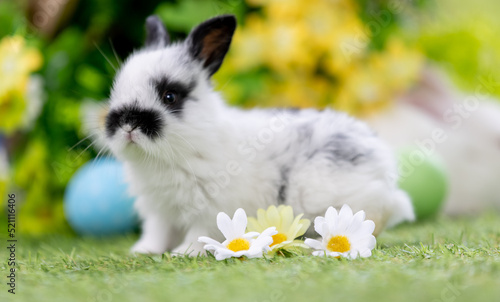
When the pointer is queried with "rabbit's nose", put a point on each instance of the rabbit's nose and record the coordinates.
(130, 117)
(129, 127)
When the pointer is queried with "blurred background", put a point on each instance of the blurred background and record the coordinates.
(58, 57)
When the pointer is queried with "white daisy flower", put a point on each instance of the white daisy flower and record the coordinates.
(343, 234)
(238, 243)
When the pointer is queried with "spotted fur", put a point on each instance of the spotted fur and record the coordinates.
(209, 157)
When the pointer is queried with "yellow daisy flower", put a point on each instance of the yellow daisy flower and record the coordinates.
(289, 227)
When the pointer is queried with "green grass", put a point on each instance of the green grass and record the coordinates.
(440, 260)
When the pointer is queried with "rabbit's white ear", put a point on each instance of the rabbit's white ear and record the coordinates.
(209, 41)
(156, 33)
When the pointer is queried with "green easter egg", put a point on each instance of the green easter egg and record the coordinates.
(423, 177)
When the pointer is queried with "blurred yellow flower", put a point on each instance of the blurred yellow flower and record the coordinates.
(287, 47)
(17, 62)
(400, 65)
(317, 54)
(374, 83)
(300, 91)
(248, 47)
(289, 227)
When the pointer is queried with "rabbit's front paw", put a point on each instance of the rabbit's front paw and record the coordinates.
(145, 247)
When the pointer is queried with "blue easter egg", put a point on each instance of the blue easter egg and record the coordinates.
(96, 201)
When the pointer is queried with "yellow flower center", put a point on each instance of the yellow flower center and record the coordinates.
(238, 244)
(278, 238)
(339, 244)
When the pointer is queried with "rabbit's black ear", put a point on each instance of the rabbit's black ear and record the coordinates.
(209, 41)
(156, 33)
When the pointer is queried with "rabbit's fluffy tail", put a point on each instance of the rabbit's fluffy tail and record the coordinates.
(402, 209)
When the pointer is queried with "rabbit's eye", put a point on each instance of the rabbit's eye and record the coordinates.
(170, 97)
(172, 94)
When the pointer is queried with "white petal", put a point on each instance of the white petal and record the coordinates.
(331, 213)
(363, 242)
(372, 242)
(260, 244)
(220, 257)
(353, 254)
(211, 244)
(367, 227)
(264, 239)
(226, 252)
(250, 235)
(211, 247)
(269, 232)
(346, 211)
(326, 231)
(335, 254)
(208, 240)
(345, 218)
(361, 214)
(257, 255)
(254, 254)
(257, 249)
(318, 225)
(241, 253)
(318, 253)
(239, 222)
(365, 253)
(263, 242)
(315, 244)
(225, 225)
(356, 222)
(223, 253)
(331, 219)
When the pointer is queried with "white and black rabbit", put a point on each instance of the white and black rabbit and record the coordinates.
(188, 156)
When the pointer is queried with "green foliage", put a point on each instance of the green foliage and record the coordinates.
(183, 16)
(462, 39)
(11, 20)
